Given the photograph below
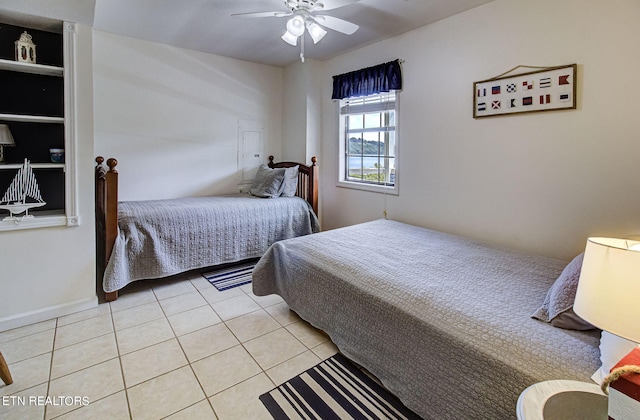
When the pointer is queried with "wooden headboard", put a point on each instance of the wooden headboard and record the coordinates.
(106, 205)
(307, 180)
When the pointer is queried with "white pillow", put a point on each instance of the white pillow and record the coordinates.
(290, 183)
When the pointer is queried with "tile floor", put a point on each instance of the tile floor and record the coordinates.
(173, 349)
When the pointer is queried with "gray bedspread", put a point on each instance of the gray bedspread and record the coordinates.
(159, 238)
(443, 321)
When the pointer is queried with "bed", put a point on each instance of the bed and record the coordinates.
(158, 238)
(443, 321)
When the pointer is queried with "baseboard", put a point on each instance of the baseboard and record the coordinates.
(20, 320)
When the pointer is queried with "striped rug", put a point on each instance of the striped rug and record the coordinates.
(230, 277)
(334, 389)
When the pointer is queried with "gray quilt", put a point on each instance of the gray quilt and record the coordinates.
(443, 321)
(159, 238)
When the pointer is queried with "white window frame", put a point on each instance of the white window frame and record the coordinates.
(346, 109)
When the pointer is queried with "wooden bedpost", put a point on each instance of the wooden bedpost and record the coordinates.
(106, 216)
(313, 185)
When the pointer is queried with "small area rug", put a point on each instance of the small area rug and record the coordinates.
(334, 389)
(230, 277)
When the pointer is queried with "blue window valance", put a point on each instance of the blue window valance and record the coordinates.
(368, 81)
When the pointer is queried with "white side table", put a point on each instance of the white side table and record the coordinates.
(562, 399)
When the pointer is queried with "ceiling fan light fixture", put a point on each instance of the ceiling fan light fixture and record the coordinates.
(295, 25)
(316, 32)
(290, 39)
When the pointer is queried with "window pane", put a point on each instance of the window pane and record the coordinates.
(392, 142)
(355, 167)
(371, 145)
(392, 118)
(355, 122)
(372, 120)
(355, 144)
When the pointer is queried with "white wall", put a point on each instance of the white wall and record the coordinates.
(51, 272)
(539, 182)
(302, 125)
(170, 116)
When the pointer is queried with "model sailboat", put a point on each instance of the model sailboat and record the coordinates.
(24, 186)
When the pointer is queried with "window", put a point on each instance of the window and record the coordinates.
(369, 142)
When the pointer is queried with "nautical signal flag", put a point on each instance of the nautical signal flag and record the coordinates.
(482, 106)
(495, 105)
(527, 85)
(495, 90)
(563, 80)
(545, 99)
(511, 87)
(528, 100)
(564, 97)
(545, 82)
(482, 92)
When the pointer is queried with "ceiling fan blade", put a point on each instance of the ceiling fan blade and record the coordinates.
(333, 4)
(262, 14)
(336, 24)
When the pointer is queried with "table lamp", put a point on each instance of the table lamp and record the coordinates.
(6, 139)
(607, 297)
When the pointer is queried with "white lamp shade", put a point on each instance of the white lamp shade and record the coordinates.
(6, 139)
(316, 32)
(609, 287)
(295, 25)
(290, 39)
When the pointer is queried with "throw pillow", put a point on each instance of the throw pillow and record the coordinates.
(557, 307)
(268, 182)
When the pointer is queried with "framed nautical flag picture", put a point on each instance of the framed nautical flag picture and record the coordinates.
(549, 89)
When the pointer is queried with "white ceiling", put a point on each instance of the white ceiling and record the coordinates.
(207, 25)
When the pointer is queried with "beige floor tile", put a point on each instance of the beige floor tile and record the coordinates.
(225, 369)
(82, 355)
(27, 374)
(199, 411)
(99, 310)
(325, 350)
(181, 303)
(207, 341)
(137, 315)
(226, 403)
(283, 314)
(305, 332)
(212, 295)
(143, 335)
(92, 384)
(252, 325)
(200, 283)
(234, 307)
(265, 301)
(133, 299)
(83, 330)
(274, 348)
(24, 404)
(193, 320)
(172, 288)
(113, 407)
(27, 330)
(153, 361)
(281, 373)
(28, 346)
(158, 397)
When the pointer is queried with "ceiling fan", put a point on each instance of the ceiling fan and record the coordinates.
(303, 17)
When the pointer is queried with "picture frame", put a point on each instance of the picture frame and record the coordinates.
(549, 89)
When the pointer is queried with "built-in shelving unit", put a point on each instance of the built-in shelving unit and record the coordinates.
(38, 106)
